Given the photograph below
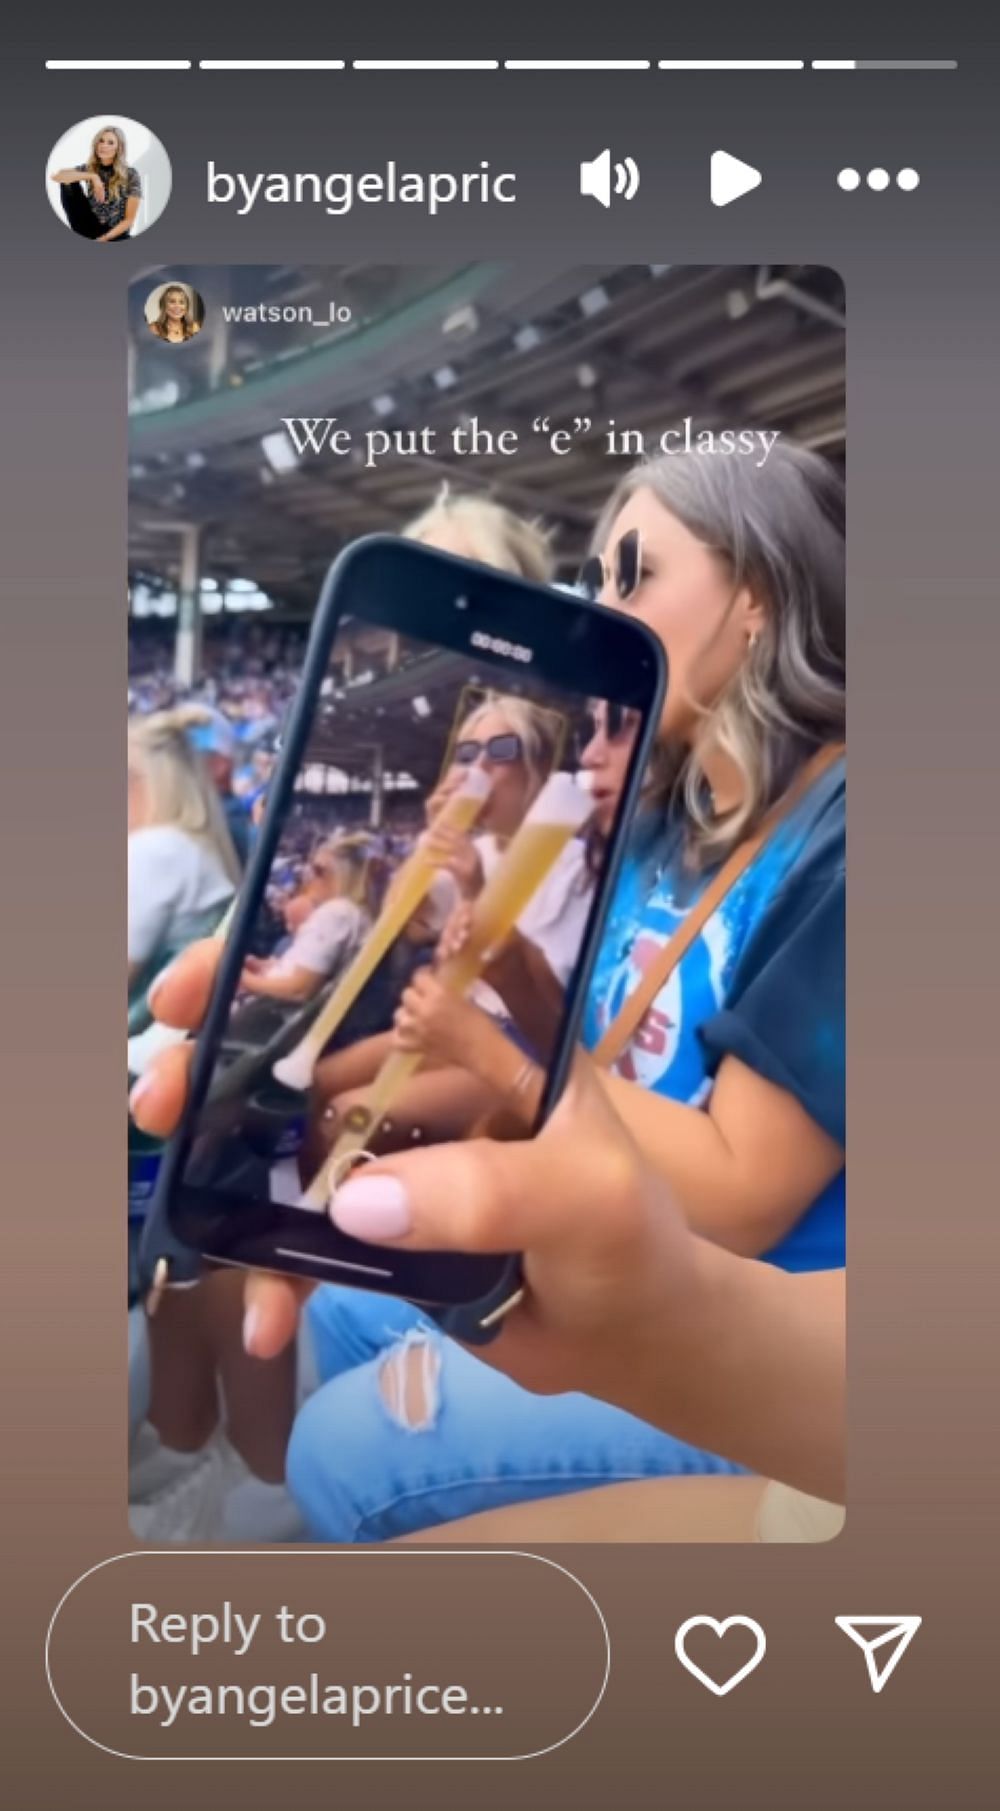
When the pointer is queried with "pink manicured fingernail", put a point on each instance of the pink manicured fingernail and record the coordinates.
(372, 1207)
(142, 1087)
(159, 979)
(251, 1327)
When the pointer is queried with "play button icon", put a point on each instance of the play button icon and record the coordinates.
(731, 178)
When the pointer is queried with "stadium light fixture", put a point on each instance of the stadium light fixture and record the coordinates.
(528, 337)
(594, 301)
(384, 405)
(279, 452)
(160, 396)
(462, 322)
(446, 377)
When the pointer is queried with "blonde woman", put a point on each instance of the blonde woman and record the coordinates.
(472, 528)
(175, 321)
(101, 197)
(733, 1082)
(478, 528)
(518, 971)
(182, 867)
(333, 930)
(732, 1085)
(475, 1050)
(182, 873)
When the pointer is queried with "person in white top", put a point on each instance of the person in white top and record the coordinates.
(475, 1051)
(182, 867)
(554, 919)
(518, 745)
(331, 934)
(182, 873)
(526, 975)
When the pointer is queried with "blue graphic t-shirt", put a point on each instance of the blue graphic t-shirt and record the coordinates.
(764, 982)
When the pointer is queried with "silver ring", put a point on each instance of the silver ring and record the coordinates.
(339, 1174)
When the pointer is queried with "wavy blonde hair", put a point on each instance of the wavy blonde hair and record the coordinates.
(351, 864)
(778, 531)
(541, 732)
(118, 180)
(178, 790)
(498, 537)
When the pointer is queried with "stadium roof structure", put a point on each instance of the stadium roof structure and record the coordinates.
(350, 728)
(641, 345)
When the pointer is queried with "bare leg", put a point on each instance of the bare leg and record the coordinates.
(184, 1404)
(259, 1393)
(196, 1343)
(353, 1067)
(654, 1509)
(437, 1104)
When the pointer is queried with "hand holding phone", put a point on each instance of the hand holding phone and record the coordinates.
(445, 776)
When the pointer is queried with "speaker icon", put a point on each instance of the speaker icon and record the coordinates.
(596, 178)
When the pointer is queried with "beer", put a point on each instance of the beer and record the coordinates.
(559, 813)
(406, 893)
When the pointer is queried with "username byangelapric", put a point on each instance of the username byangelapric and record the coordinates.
(337, 191)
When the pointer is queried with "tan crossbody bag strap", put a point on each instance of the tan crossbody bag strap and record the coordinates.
(624, 1026)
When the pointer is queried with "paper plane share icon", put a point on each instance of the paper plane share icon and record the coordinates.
(882, 1639)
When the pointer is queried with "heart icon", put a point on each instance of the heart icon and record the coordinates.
(720, 1629)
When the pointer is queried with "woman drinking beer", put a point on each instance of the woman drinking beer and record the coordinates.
(730, 1076)
(481, 1050)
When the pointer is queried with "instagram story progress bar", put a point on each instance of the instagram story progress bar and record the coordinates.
(886, 63)
(515, 65)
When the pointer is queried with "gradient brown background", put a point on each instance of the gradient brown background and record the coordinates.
(922, 275)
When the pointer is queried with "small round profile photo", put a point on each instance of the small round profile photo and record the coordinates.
(174, 312)
(108, 178)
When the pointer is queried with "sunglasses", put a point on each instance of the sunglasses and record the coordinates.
(504, 750)
(624, 572)
(618, 720)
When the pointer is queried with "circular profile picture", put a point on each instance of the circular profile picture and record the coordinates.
(174, 312)
(108, 178)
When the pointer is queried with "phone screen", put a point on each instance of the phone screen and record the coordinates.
(413, 956)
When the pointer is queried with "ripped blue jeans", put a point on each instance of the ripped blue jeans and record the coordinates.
(408, 1430)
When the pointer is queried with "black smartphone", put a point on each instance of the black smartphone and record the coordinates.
(451, 796)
